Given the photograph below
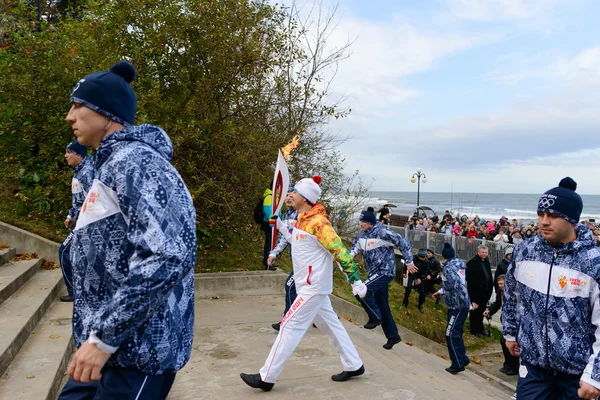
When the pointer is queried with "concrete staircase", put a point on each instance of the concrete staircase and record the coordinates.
(35, 329)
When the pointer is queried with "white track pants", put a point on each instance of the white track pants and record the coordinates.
(306, 310)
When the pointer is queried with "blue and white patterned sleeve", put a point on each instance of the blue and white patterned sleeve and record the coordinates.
(402, 244)
(355, 249)
(510, 317)
(161, 228)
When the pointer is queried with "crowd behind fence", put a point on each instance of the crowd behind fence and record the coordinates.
(466, 248)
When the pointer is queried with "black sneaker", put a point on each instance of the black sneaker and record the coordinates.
(345, 375)
(508, 371)
(271, 268)
(372, 324)
(391, 342)
(454, 370)
(66, 299)
(276, 326)
(421, 309)
(254, 380)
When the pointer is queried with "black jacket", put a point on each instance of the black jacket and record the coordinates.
(423, 267)
(500, 270)
(479, 280)
(435, 267)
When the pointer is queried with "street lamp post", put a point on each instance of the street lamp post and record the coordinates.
(417, 178)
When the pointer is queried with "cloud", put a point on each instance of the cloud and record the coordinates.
(492, 10)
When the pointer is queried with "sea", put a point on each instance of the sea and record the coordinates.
(488, 206)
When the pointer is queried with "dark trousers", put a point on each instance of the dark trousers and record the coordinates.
(290, 292)
(476, 316)
(510, 362)
(419, 288)
(268, 231)
(546, 384)
(376, 304)
(64, 258)
(454, 339)
(122, 384)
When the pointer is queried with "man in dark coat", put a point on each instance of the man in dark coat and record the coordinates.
(502, 267)
(479, 284)
(416, 280)
(435, 268)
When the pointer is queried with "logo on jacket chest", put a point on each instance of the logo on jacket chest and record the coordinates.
(301, 236)
(575, 284)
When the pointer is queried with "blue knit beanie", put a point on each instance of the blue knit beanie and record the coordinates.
(368, 216)
(448, 251)
(109, 93)
(562, 201)
(79, 149)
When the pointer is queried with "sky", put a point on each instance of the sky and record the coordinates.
(495, 96)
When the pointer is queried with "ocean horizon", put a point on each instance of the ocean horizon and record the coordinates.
(521, 206)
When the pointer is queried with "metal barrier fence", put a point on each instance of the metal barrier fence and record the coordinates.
(465, 248)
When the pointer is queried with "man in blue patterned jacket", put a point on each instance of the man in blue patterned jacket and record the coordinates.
(376, 243)
(134, 251)
(454, 288)
(551, 309)
(83, 174)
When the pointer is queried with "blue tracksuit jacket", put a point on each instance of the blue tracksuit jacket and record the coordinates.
(454, 285)
(551, 305)
(83, 175)
(377, 247)
(133, 254)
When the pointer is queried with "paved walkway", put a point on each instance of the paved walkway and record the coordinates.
(234, 335)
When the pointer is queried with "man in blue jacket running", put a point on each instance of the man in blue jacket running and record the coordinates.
(133, 252)
(83, 174)
(551, 309)
(376, 243)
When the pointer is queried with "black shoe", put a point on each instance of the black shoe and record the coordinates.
(467, 362)
(404, 305)
(479, 335)
(485, 333)
(66, 299)
(508, 371)
(345, 375)
(454, 370)
(421, 310)
(254, 380)
(391, 342)
(276, 326)
(372, 324)
(314, 326)
(271, 268)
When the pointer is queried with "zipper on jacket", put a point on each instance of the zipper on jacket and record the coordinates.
(309, 272)
(546, 313)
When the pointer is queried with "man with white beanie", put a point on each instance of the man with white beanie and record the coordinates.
(316, 245)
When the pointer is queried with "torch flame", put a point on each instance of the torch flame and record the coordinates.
(289, 147)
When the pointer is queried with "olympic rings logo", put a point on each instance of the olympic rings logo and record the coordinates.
(546, 202)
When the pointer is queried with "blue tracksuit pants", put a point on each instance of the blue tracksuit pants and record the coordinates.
(454, 338)
(537, 383)
(290, 292)
(376, 303)
(64, 258)
(122, 384)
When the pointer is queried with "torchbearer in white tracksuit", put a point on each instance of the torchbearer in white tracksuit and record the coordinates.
(316, 245)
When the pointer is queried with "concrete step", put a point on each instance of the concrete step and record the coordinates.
(37, 371)
(7, 254)
(22, 311)
(14, 274)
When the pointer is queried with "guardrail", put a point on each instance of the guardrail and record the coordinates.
(465, 248)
